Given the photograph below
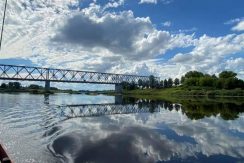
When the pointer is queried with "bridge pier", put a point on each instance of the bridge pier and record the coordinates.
(47, 85)
(118, 88)
(118, 99)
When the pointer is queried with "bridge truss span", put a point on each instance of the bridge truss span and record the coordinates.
(13, 72)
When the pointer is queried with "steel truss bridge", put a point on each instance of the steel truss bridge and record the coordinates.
(27, 73)
(91, 110)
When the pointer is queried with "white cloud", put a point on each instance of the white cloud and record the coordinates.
(193, 29)
(148, 1)
(239, 26)
(155, 1)
(209, 53)
(233, 21)
(236, 64)
(91, 39)
(117, 33)
(166, 24)
(51, 35)
(114, 4)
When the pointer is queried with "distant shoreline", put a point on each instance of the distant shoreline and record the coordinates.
(182, 93)
(43, 91)
(163, 93)
(38, 91)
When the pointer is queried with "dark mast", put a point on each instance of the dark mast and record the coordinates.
(4, 14)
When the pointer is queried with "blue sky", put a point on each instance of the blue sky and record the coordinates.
(207, 16)
(165, 38)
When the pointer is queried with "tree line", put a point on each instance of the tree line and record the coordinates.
(225, 80)
(11, 85)
(151, 83)
(18, 86)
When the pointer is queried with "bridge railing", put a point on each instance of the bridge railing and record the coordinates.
(12, 72)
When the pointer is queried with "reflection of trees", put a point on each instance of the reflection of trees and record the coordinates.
(199, 110)
(195, 109)
(177, 107)
(128, 100)
(152, 105)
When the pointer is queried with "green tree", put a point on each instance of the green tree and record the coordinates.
(191, 82)
(176, 81)
(124, 85)
(161, 84)
(146, 84)
(207, 81)
(220, 83)
(191, 78)
(170, 82)
(227, 74)
(182, 79)
(214, 76)
(10, 85)
(53, 88)
(165, 83)
(132, 85)
(4, 86)
(240, 84)
(16, 85)
(151, 81)
(194, 74)
(34, 86)
(157, 84)
(230, 83)
(140, 83)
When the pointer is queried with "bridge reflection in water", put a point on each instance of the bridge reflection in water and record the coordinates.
(91, 110)
(193, 109)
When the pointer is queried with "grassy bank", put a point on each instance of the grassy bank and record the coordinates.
(183, 92)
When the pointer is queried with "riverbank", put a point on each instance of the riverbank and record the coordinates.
(38, 91)
(183, 92)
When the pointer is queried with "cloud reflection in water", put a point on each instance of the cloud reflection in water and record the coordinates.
(132, 144)
(146, 137)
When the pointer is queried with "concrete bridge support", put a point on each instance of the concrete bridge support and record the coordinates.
(118, 88)
(47, 85)
(118, 99)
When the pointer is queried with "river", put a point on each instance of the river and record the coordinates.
(104, 129)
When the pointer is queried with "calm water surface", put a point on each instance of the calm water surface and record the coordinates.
(82, 128)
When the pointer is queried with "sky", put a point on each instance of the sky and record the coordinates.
(165, 38)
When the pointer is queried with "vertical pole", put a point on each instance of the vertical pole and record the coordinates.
(4, 14)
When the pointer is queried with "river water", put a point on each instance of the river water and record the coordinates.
(104, 129)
